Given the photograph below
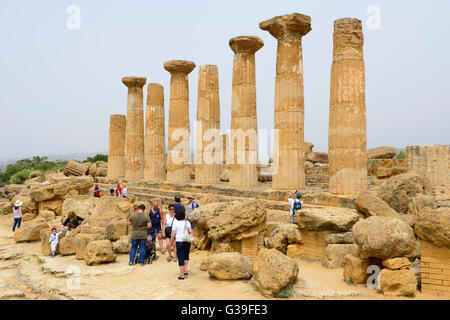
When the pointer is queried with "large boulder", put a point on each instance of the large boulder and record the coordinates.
(67, 245)
(235, 220)
(123, 245)
(398, 191)
(81, 242)
(282, 235)
(273, 271)
(99, 251)
(46, 214)
(398, 282)
(57, 190)
(370, 205)
(51, 205)
(11, 190)
(433, 225)
(230, 266)
(335, 253)
(326, 219)
(396, 263)
(381, 153)
(30, 231)
(384, 237)
(355, 269)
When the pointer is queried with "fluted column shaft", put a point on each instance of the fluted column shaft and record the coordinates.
(208, 147)
(179, 151)
(244, 137)
(134, 140)
(431, 161)
(347, 140)
(289, 99)
(116, 150)
(155, 145)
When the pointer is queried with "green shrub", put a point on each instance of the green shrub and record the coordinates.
(401, 155)
(20, 177)
(284, 293)
(98, 157)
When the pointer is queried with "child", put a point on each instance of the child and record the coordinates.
(54, 238)
(295, 203)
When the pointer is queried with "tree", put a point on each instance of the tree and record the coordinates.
(98, 157)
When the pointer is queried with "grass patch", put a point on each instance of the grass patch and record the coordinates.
(284, 293)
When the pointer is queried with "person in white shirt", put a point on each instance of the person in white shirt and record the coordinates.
(295, 203)
(178, 228)
(54, 239)
(125, 191)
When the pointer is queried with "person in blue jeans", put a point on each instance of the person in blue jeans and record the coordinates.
(139, 222)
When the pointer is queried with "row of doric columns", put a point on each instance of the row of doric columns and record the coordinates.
(347, 126)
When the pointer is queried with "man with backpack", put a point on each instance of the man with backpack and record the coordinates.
(295, 203)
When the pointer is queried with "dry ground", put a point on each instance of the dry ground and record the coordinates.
(30, 275)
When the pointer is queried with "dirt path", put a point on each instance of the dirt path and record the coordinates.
(26, 274)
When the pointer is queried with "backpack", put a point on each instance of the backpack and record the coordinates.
(297, 205)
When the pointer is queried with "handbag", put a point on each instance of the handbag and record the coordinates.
(187, 236)
(168, 230)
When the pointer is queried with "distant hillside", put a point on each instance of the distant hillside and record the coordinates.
(71, 156)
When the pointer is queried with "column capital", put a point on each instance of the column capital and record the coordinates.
(181, 66)
(348, 31)
(246, 44)
(293, 24)
(132, 82)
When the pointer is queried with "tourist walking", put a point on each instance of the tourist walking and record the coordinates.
(191, 206)
(17, 214)
(295, 204)
(167, 233)
(156, 217)
(139, 222)
(182, 235)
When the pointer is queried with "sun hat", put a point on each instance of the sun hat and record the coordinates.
(18, 203)
(190, 197)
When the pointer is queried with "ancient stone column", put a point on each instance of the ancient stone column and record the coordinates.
(155, 143)
(179, 127)
(134, 138)
(289, 102)
(116, 150)
(347, 139)
(431, 161)
(74, 168)
(208, 146)
(243, 147)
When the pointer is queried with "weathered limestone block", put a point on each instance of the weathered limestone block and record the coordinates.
(28, 216)
(230, 266)
(381, 153)
(74, 168)
(326, 218)
(355, 269)
(81, 241)
(123, 245)
(51, 205)
(273, 271)
(288, 154)
(431, 162)
(370, 205)
(242, 151)
(116, 150)
(155, 134)
(115, 230)
(398, 282)
(134, 133)
(30, 231)
(399, 191)
(57, 190)
(98, 252)
(396, 263)
(433, 225)
(335, 253)
(282, 235)
(179, 128)
(67, 246)
(384, 237)
(383, 173)
(347, 140)
(28, 204)
(340, 238)
(46, 214)
(294, 250)
(374, 164)
(209, 141)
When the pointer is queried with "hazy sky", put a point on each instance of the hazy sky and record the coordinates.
(59, 86)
